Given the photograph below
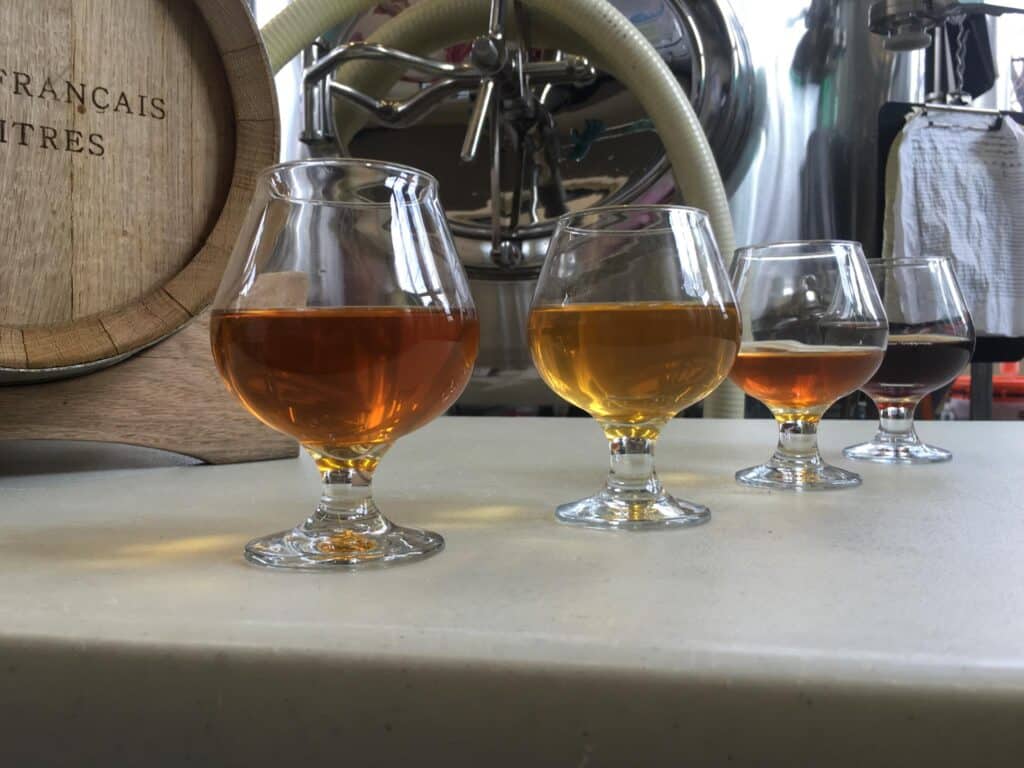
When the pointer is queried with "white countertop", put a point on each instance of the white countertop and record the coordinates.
(882, 624)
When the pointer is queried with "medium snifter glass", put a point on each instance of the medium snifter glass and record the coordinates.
(345, 320)
(931, 339)
(633, 321)
(813, 331)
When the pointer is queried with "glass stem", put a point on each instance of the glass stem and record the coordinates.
(632, 466)
(798, 443)
(346, 503)
(896, 422)
(896, 419)
(346, 494)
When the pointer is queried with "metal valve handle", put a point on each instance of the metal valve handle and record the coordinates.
(503, 80)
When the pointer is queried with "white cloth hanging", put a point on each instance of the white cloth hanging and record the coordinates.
(956, 188)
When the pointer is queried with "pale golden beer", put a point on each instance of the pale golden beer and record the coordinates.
(633, 366)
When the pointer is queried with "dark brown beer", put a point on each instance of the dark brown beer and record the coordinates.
(636, 363)
(916, 364)
(338, 378)
(799, 380)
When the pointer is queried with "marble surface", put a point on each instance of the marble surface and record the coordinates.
(881, 625)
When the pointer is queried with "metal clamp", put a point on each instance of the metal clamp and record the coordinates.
(995, 125)
(316, 126)
(906, 23)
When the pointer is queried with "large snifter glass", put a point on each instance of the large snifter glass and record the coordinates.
(345, 320)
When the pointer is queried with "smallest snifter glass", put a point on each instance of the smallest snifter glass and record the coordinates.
(931, 340)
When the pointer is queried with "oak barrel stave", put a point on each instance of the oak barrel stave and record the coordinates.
(108, 251)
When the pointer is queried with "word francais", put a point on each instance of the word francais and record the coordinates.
(80, 96)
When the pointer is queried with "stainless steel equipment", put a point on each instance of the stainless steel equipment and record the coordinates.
(788, 93)
(569, 138)
(906, 23)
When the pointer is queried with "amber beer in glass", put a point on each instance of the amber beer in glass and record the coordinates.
(336, 378)
(633, 321)
(793, 379)
(345, 320)
(813, 331)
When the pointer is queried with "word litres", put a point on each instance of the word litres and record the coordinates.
(47, 137)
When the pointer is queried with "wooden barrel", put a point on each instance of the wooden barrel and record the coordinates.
(131, 133)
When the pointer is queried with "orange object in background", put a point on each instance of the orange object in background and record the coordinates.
(1007, 393)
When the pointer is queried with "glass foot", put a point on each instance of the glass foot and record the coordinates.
(897, 452)
(324, 542)
(638, 512)
(810, 477)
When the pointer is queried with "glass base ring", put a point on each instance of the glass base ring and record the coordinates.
(318, 545)
(633, 512)
(812, 477)
(897, 453)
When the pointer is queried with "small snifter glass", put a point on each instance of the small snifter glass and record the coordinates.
(931, 339)
(344, 319)
(633, 321)
(813, 331)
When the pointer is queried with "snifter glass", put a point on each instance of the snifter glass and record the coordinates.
(344, 319)
(931, 339)
(813, 331)
(633, 321)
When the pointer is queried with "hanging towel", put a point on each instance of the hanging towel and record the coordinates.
(955, 188)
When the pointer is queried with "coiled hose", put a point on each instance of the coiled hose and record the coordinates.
(593, 28)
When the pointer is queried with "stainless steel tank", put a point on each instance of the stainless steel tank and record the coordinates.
(788, 92)
(822, 77)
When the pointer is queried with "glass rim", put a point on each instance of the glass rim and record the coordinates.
(913, 261)
(564, 221)
(747, 251)
(383, 166)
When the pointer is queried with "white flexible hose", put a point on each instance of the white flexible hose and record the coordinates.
(298, 25)
(589, 27)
